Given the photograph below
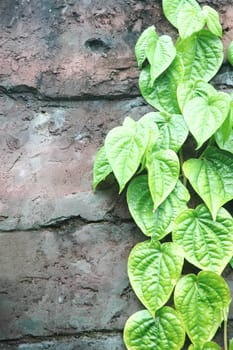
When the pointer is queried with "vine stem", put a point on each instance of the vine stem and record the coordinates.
(225, 335)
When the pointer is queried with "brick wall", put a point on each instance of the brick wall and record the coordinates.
(67, 76)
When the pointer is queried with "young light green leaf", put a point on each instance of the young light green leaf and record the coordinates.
(160, 55)
(125, 147)
(129, 122)
(207, 244)
(173, 130)
(163, 172)
(162, 95)
(206, 111)
(202, 55)
(211, 17)
(201, 301)
(165, 331)
(159, 223)
(207, 346)
(146, 39)
(231, 344)
(190, 20)
(171, 9)
(230, 53)
(224, 135)
(189, 89)
(102, 168)
(211, 178)
(153, 270)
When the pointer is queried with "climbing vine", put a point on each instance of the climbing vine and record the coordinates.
(151, 158)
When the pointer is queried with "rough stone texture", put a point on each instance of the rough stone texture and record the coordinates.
(67, 76)
(47, 159)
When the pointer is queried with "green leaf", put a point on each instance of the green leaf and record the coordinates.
(230, 53)
(146, 39)
(231, 344)
(153, 270)
(163, 173)
(190, 20)
(102, 168)
(231, 262)
(211, 17)
(165, 331)
(211, 346)
(202, 55)
(202, 301)
(160, 55)
(125, 147)
(173, 130)
(207, 346)
(159, 223)
(209, 112)
(207, 244)
(189, 89)
(211, 177)
(224, 135)
(162, 95)
(171, 9)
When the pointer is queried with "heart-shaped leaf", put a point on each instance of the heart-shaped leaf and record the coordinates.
(125, 147)
(207, 346)
(189, 89)
(162, 95)
(202, 55)
(211, 177)
(202, 301)
(165, 331)
(171, 9)
(173, 130)
(146, 39)
(211, 17)
(190, 20)
(160, 55)
(102, 168)
(163, 172)
(159, 223)
(207, 244)
(153, 270)
(209, 111)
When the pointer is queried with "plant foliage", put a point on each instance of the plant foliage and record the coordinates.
(147, 158)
